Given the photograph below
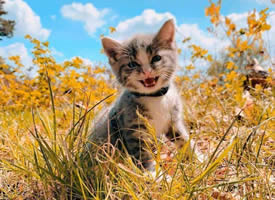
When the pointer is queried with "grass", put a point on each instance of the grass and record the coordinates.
(42, 154)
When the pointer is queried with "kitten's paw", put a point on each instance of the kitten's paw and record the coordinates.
(158, 176)
(200, 156)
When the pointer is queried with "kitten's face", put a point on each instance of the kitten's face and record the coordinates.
(146, 63)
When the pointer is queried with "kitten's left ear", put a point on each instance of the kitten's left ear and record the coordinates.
(166, 33)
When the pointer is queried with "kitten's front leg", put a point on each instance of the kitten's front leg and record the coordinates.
(135, 142)
(179, 135)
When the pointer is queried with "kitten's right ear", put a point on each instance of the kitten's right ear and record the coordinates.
(166, 34)
(111, 47)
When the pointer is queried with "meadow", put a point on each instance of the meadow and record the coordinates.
(45, 121)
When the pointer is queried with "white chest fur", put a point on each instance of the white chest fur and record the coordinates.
(160, 110)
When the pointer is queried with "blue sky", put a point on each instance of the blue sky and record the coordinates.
(73, 28)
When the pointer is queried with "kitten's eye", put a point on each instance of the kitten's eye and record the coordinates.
(133, 64)
(156, 59)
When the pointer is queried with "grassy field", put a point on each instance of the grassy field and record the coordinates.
(41, 152)
(45, 121)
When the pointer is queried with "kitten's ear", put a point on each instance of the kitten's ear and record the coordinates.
(111, 47)
(166, 33)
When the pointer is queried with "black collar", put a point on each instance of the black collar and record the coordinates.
(158, 93)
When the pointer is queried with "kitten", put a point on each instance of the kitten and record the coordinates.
(145, 66)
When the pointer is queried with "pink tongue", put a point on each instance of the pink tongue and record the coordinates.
(149, 81)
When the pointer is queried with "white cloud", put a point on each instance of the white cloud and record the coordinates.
(269, 36)
(202, 38)
(86, 13)
(56, 52)
(27, 22)
(240, 19)
(87, 61)
(19, 49)
(148, 22)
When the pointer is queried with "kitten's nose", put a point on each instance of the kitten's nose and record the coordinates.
(147, 72)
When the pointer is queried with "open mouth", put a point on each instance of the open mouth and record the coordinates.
(150, 82)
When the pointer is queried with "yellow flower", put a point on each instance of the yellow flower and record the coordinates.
(231, 76)
(112, 29)
(190, 67)
(196, 76)
(230, 65)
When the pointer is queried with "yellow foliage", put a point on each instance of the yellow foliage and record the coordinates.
(214, 12)
(190, 67)
(26, 93)
(196, 76)
(230, 65)
(199, 52)
(112, 29)
(257, 25)
(209, 58)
